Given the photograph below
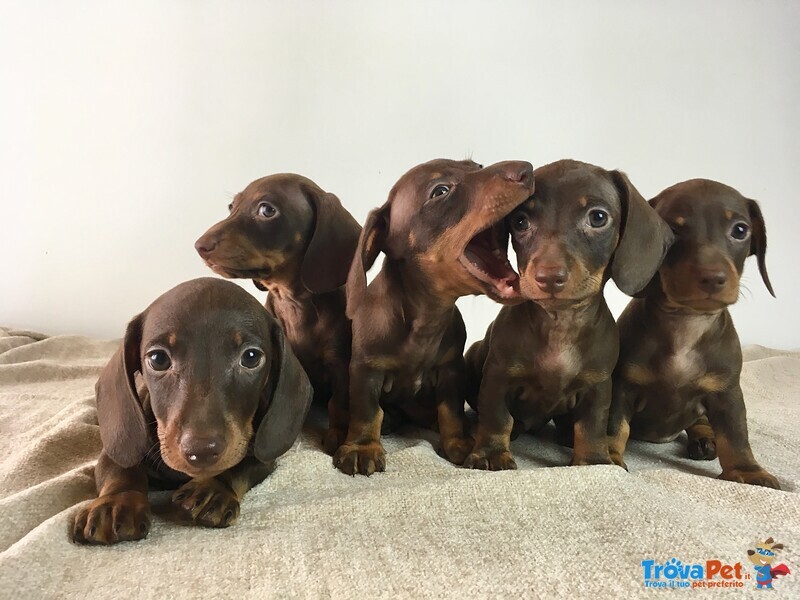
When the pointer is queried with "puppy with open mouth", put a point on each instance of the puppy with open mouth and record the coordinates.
(442, 233)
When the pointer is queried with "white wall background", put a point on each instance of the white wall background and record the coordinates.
(125, 128)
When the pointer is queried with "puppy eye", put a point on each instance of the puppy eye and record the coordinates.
(439, 190)
(739, 231)
(520, 222)
(158, 360)
(597, 218)
(251, 358)
(230, 207)
(265, 209)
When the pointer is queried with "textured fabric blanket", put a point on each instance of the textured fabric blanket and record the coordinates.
(424, 528)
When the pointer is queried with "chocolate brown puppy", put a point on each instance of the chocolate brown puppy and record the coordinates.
(680, 357)
(203, 394)
(552, 357)
(295, 240)
(442, 235)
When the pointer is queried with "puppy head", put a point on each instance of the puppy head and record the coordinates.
(716, 229)
(281, 228)
(215, 366)
(446, 216)
(581, 220)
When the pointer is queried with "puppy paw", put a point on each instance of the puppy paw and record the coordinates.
(490, 460)
(751, 476)
(364, 459)
(590, 459)
(209, 502)
(334, 438)
(702, 448)
(455, 450)
(120, 517)
(618, 460)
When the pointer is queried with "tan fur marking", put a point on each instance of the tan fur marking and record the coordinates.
(680, 221)
(592, 376)
(237, 338)
(298, 237)
(583, 201)
(728, 214)
(518, 369)
(638, 374)
(712, 382)
(172, 339)
(383, 363)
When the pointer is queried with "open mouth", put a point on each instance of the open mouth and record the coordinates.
(486, 258)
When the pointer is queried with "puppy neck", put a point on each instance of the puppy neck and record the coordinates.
(570, 317)
(420, 300)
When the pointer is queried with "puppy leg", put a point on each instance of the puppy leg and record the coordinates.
(362, 451)
(728, 418)
(455, 445)
(215, 502)
(121, 511)
(619, 419)
(591, 424)
(701, 445)
(492, 450)
(338, 415)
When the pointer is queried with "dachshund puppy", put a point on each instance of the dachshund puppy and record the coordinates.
(442, 235)
(296, 241)
(680, 357)
(552, 357)
(218, 398)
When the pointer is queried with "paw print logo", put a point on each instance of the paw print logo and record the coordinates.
(762, 558)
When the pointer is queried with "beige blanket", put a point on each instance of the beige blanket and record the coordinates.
(422, 529)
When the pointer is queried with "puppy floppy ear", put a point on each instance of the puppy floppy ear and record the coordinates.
(123, 430)
(643, 240)
(288, 395)
(333, 243)
(758, 241)
(371, 242)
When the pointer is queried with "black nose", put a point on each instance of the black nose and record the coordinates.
(202, 452)
(713, 281)
(205, 246)
(551, 279)
(519, 172)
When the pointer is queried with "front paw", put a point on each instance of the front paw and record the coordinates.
(364, 459)
(114, 518)
(209, 502)
(490, 460)
(455, 449)
(753, 476)
(334, 438)
(702, 448)
(590, 459)
(618, 460)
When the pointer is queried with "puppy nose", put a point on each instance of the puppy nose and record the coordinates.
(713, 280)
(551, 279)
(520, 172)
(205, 246)
(202, 451)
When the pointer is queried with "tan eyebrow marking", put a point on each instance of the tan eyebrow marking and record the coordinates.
(728, 214)
(172, 339)
(680, 221)
(583, 201)
(237, 338)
